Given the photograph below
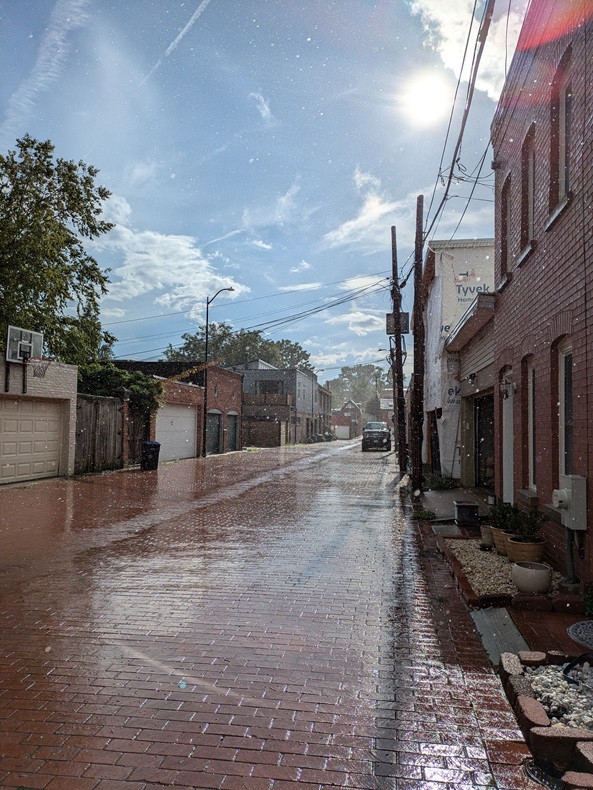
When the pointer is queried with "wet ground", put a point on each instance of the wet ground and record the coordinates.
(253, 620)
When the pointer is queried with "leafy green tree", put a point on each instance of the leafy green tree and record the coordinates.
(235, 348)
(48, 282)
(360, 383)
(145, 393)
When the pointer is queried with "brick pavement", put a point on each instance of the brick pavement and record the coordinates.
(249, 621)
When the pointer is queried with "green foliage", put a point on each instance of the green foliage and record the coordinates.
(103, 378)
(524, 524)
(529, 523)
(505, 516)
(48, 282)
(439, 482)
(235, 348)
(425, 515)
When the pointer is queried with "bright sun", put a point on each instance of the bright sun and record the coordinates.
(426, 99)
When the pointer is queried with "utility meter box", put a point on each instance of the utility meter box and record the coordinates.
(571, 501)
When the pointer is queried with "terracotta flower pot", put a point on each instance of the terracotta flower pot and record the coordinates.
(499, 540)
(526, 551)
(508, 536)
(532, 577)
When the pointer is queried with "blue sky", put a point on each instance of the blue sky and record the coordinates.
(264, 145)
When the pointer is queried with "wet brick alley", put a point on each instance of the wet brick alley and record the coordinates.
(253, 620)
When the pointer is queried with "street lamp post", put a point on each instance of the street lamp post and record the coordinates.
(205, 419)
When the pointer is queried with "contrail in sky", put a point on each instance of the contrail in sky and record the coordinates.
(52, 54)
(197, 13)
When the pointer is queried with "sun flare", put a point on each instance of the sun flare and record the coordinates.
(426, 99)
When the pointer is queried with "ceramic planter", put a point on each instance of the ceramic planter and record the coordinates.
(532, 577)
(486, 534)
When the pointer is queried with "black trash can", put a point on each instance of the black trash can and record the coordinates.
(150, 455)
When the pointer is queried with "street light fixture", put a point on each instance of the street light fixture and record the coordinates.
(205, 419)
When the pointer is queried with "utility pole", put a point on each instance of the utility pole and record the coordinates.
(397, 365)
(418, 390)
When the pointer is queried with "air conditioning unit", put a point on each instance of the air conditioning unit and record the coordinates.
(571, 501)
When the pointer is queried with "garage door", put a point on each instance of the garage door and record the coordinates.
(176, 430)
(30, 439)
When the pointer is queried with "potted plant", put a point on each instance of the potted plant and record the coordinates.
(504, 517)
(526, 545)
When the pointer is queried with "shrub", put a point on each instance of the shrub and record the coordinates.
(505, 516)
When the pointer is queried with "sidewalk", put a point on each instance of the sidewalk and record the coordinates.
(541, 630)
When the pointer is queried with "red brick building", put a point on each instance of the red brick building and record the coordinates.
(178, 425)
(543, 327)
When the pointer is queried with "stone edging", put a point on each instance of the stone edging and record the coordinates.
(570, 749)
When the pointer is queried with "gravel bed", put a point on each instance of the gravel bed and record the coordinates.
(565, 704)
(488, 572)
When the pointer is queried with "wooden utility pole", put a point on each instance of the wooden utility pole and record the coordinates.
(417, 410)
(397, 364)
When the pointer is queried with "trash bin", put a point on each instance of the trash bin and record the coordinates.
(466, 514)
(150, 455)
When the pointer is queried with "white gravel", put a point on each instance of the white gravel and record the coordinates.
(565, 704)
(488, 572)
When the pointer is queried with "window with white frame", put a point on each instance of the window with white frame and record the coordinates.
(505, 227)
(528, 189)
(532, 465)
(560, 134)
(565, 410)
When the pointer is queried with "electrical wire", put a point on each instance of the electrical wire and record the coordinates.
(364, 291)
(480, 43)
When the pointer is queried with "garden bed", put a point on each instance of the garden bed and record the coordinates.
(484, 578)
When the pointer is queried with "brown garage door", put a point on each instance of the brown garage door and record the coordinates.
(30, 434)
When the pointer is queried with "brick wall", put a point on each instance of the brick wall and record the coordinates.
(548, 296)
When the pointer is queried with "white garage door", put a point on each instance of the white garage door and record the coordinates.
(176, 430)
(30, 439)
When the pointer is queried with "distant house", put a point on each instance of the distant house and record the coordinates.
(349, 415)
(282, 405)
(178, 425)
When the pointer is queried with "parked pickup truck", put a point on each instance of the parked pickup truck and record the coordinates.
(376, 435)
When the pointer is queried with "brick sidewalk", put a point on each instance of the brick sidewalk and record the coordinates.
(251, 621)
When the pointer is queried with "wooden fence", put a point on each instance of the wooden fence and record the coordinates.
(109, 434)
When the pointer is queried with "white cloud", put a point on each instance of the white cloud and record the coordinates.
(369, 231)
(359, 323)
(262, 245)
(67, 16)
(446, 25)
(171, 266)
(360, 281)
(303, 266)
(263, 107)
(283, 211)
(301, 287)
